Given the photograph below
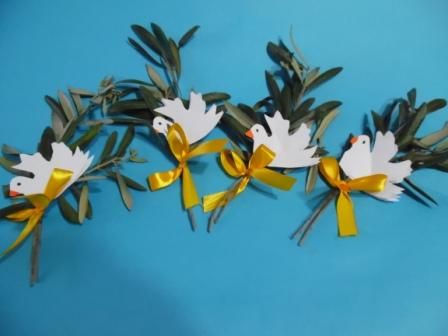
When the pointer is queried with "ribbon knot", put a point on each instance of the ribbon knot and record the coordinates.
(344, 187)
(234, 165)
(180, 148)
(56, 184)
(329, 168)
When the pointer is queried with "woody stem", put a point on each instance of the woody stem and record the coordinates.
(192, 219)
(302, 232)
(216, 214)
(102, 165)
(35, 253)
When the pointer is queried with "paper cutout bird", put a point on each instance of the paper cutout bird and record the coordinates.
(196, 121)
(359, 161)
(291, 150)
(62, 158)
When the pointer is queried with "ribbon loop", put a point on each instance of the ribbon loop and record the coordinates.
(57, 182)
(178, 143)
(329, 168)
(232, 163)
(180, 148)
(261, 157)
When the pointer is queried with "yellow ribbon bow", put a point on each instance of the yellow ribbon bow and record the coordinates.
(235, 166)
(329, 168)
(180, 148)
(56, 183)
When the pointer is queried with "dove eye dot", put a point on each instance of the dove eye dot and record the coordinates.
(363, 142)
(160, 123)
(19, 183)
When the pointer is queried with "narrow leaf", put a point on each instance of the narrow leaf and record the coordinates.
(129, 182)
(8, 210)
(147, 38)
(435, 137)
(322, 78)
(215, 97)
(67, 211)
(70, 130)
(83, 203)
(239, 115)
(66, 106)
(44, 147)
(303, 109)
(176, 57)
(324, 124)
(274, 90)
(420, 190)
(150, 101)
(143, 52)
(109, 146)
(77, 194)
(57, 124)
(278, 54)
(155, 78)
(163, 43)
(125, 141)
(412, 97)
(127, 105)
(435, 104)
(81, 92)
(56, 108)
(378, 122)
(9, 150)
(187, 36)
(124, 191)
(86, 138)
(311, 178)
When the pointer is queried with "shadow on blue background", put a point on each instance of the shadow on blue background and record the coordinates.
(146, 272)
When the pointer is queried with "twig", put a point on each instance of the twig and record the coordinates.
(114, 160)
(35, 253)
(302, 232)
(192, 219)
(216, 214)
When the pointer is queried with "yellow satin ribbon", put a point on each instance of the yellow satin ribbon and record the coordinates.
(58, 180)
(180, 148)
(235, 166)
(329, 169)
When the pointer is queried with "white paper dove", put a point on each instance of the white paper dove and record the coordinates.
(196, 121)
(291, 150)
(62, 158)
(360, 161)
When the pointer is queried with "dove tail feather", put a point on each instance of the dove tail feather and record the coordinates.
(391, 193)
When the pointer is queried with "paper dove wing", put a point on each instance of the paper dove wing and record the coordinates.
(173, 109)
(290, 149)
(302, 137)
(62, 158)
(196, 121)
(77, 162)
(32, 163)
(383, 151)
(279, 127)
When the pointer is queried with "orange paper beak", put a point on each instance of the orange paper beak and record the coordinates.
(250, 134)
(13, 193)
(353, 140)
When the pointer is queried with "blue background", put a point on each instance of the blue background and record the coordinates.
(146, 273)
